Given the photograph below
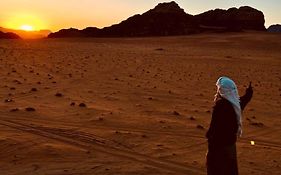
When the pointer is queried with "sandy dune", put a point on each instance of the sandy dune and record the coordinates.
(133, 106)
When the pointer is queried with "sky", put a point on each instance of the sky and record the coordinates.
(57, 14)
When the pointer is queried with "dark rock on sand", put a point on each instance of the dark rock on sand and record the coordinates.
(82, 105)
(30, 109)
(58, 94)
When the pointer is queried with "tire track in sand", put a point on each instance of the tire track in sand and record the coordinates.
(244, 140)
(91, 143)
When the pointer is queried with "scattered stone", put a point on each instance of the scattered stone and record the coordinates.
(9, 100)
(83, 105)
(144, 136)
(58, 94)
(159, 49)
(14, 110)
(17, 81)
(30, 109)
(72, 104)
(195, 162)
(258, 124)
(33, 89)
(192, 118)
(176, 113)
(100, 118)
(200, 127)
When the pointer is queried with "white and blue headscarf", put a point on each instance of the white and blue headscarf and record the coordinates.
(227, 89)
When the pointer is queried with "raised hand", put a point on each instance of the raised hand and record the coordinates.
(249, 89)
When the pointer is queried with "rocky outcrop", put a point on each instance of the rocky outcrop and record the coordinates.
(91, 32)
(66, 33)
(168, 19)
(165, 19)
(8, 35)
(233, 19)
(274, 28)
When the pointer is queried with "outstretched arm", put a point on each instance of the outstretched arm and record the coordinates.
(245, 99)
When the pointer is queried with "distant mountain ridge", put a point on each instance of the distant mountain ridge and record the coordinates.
(8, 35)
(274, 28)
(168, 19)
(28, 34)
(233, 19)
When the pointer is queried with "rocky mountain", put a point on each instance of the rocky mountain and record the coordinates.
(233, 19)
(72, 32)
(8, 35)
(274, 28)
(165, 19)
(168, 19)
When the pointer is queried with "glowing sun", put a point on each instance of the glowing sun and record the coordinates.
(26, 28)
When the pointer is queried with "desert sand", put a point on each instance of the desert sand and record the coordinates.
(134, 105)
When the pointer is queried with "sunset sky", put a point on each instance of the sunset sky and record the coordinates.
(57, 14)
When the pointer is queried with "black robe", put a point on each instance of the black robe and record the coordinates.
(222, 136)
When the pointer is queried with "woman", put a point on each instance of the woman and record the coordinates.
(225, 127)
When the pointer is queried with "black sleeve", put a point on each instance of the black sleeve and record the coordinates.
(245, 99)
(212, 127)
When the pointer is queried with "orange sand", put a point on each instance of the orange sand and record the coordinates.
(148, 103)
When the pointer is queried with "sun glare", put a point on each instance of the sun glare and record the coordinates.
(25, 21)
(26, 28)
